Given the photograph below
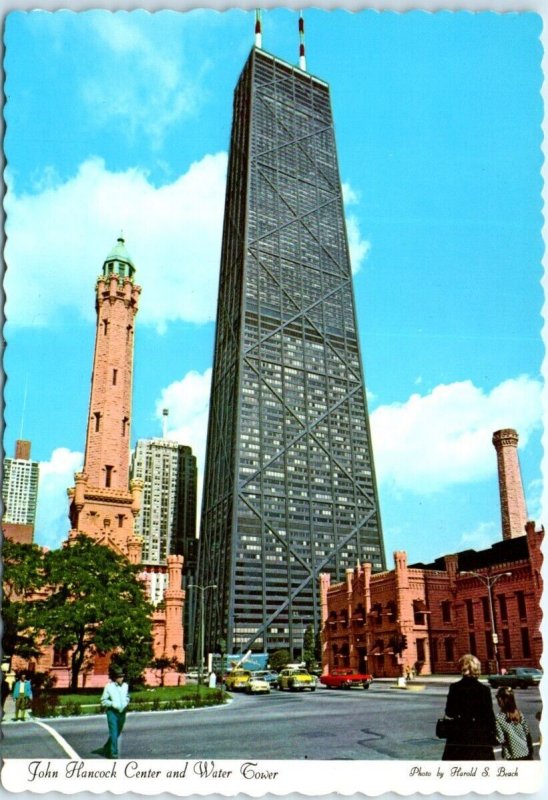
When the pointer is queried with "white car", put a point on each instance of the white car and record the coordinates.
(257, 686)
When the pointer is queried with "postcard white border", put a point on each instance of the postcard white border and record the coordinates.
(332, 780)
(256, 778)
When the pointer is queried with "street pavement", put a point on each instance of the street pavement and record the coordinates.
(382, 723)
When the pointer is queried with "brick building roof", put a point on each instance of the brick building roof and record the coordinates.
(499, 553)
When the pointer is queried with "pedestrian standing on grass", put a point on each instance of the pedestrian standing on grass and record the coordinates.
(115, 700)
(22, 694)
(512, 729)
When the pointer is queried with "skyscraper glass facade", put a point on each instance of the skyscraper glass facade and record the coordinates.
(289, 489)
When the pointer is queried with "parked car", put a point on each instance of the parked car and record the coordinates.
(517, 677)
(236, 681)
(268, 675)
(257, 685)
(346, 679)
(296, 680)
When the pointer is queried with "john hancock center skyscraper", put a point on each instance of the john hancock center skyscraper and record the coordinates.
(289, 487)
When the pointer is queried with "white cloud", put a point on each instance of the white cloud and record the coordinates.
(56, 476)
(187, 401)
(443, 438)
(359, 248)
(139, 78)
(535, 501)
(59, 238)
(351, 196)
(481, 538)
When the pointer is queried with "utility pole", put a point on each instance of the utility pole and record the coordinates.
(201, 589)
(489, 581)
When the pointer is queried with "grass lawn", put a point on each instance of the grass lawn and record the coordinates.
(160, 698)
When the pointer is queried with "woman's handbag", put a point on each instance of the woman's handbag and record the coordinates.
(444, 727)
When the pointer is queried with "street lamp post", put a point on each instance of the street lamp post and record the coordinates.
(201, 589)
(489, 581)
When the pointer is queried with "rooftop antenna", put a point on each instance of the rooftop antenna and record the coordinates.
(302, 56)
(165, 413)
(24, 406)
(258, 28)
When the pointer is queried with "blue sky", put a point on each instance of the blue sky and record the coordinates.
(122, 121)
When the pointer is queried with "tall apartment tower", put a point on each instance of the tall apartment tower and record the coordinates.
(20, 494)
(512, 500)
(103, 502)
(289, 489)
(167, 520)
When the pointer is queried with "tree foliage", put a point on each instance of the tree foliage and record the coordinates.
(162, 664)
(97, 603)
(279, 659)
(309, 647)
(22, 579)
(23, 569)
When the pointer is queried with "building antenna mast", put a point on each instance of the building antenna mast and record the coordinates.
(258, 28)
(302, 56)
(24, 405)
(165, 413)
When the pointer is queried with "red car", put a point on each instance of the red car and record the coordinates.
(346, 679)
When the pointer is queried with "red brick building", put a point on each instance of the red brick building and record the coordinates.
(425, 616)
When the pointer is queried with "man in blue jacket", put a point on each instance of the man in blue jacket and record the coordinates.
(115, 700)
(22, 694)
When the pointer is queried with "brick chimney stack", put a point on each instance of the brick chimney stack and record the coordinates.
(512, 500)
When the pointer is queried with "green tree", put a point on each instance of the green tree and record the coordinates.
(97, 603)
(22, 579)
(279, 659)
(161, 665)
(309, 647)
(318, 646)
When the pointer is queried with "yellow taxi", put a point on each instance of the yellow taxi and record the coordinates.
(237, 680)
(296, 680)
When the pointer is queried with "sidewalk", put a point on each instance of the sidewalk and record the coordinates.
(8, 712)
(443, 680)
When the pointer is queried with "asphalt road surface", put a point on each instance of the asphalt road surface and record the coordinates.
(382, 723)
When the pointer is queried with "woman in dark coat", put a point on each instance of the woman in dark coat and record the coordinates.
(470, 705)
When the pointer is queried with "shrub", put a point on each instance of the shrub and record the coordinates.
(45, 704)
(71, 709)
